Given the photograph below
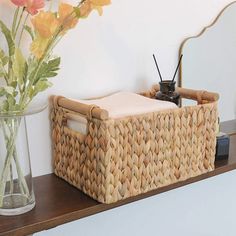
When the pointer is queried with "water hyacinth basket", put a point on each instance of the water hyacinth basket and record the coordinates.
(121, 158)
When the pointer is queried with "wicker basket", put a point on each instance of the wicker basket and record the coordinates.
(120, 158)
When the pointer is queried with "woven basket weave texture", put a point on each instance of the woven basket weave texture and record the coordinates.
(125, 157)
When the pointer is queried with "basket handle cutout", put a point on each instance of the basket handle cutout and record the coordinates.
(76, 123)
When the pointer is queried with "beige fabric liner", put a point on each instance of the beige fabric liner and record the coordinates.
(121, 104)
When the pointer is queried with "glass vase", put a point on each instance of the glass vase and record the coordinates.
(16, 186)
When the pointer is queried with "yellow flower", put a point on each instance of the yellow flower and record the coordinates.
(45, 24)
(67, 17)
(89, 5)
(100, 2)
(39, 46)
(99, 9)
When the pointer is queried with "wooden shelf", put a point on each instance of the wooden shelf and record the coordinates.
(228, 127)
(58, 202)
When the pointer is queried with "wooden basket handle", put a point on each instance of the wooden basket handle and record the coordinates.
(198, 95)
(89, 111)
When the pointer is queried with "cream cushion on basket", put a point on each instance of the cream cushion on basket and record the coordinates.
(121, 104)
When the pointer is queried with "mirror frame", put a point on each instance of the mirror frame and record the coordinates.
(180, 81)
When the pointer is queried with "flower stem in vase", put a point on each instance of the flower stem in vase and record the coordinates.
(6, 171)
(12, 158)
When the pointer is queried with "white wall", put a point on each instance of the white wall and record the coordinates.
(114, 52)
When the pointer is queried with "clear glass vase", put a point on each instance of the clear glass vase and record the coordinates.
(16, 186)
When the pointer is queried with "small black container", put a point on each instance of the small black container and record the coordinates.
(167, 92)
(222, 146)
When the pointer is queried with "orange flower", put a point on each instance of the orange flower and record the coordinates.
(85, 9)
(67, 17)
(45, 24)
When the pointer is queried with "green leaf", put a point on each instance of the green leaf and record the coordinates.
(51, 74)
(8, 36)
(48, 69)
(25, 72)
(32, 65)
(42, 86)
(3, 58)
(13, 84)
(30, 31)
(11, 102)
(3, 62)
(2, 92)
(7, 90)
(54, 63)
(39, 74)
(19, 66)
(4, 105)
